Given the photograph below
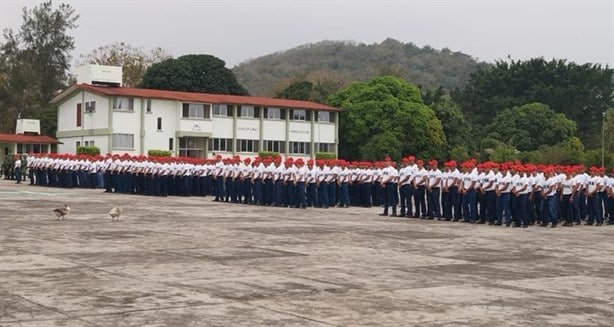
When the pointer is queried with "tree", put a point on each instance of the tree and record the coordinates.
(134, 61)
(193, 73)
(530, 126)
(385, 116)
(34, 62)
(455, 127)
(315, 86)
(300, 90)
(581, 92)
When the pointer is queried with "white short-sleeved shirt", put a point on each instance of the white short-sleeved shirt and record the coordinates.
(507, 179)
(433, 175)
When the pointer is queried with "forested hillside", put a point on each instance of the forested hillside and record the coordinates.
(348, 62)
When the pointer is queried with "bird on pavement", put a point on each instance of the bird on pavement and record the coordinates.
(60, 213)
(115, 212)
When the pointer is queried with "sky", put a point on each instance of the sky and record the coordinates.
(581, 31)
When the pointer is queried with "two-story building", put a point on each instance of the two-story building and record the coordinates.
(131, 120)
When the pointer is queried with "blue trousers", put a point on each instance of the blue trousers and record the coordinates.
(323, 194)
(390, 200)
(300, 197)
(553, 208)
(503, 208)
(311, 194)
(469, 206)
(434, 206)
(344, 191)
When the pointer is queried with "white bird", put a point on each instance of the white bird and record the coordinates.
(60, 213)
(115, 213)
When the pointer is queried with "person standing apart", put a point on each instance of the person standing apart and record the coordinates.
(17, 169)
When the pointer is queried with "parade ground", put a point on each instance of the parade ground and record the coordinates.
(188, 261)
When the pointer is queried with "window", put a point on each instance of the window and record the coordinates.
(78, 144)
(299, 148)
(90, 107)
(170, 144)
(273, 113)
(325, 147)
(221, 110)
(220, 145)
(249, 112)
(193, 147)
(299, 114)
(123, 103)
(196, 111)
(89, 143)
(159, 123)
(247, 145)
(276, 146)
(148, 105)
(78, 115)
(325, 117)
(123, 141)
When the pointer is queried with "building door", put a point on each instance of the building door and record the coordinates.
(193, 147)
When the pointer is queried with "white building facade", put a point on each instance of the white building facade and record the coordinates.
(134, 121)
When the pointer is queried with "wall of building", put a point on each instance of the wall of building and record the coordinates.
(158, 139)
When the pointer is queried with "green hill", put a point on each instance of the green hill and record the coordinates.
(344, 61)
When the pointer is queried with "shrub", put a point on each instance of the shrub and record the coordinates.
(88, 150)
(325, 155)
(268, 154)
(159, 153)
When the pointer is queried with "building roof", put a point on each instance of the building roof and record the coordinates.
(28, 139)
(194, 97)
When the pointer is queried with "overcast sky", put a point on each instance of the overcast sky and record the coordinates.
(581, 31)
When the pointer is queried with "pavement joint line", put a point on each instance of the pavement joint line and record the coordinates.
(143, 310)
(52, 309)
(292, 314)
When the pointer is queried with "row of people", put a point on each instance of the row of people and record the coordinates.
(508, 193)
(482, 193)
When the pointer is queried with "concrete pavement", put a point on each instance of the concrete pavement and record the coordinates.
(193, 262)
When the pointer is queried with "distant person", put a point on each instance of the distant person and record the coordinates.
(17, 170)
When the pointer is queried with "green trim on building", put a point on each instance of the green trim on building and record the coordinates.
(86, 132)
(179, 134)
(312, 136)
(288, 112)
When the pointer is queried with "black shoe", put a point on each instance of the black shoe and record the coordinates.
(588, 223)
(394, 215)
(455, 220)
(508, 225)
(525, 226)
(481, 222)
(516, 225)
(490, 223)
(381, 214)
(553, 226)
(498, 224)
